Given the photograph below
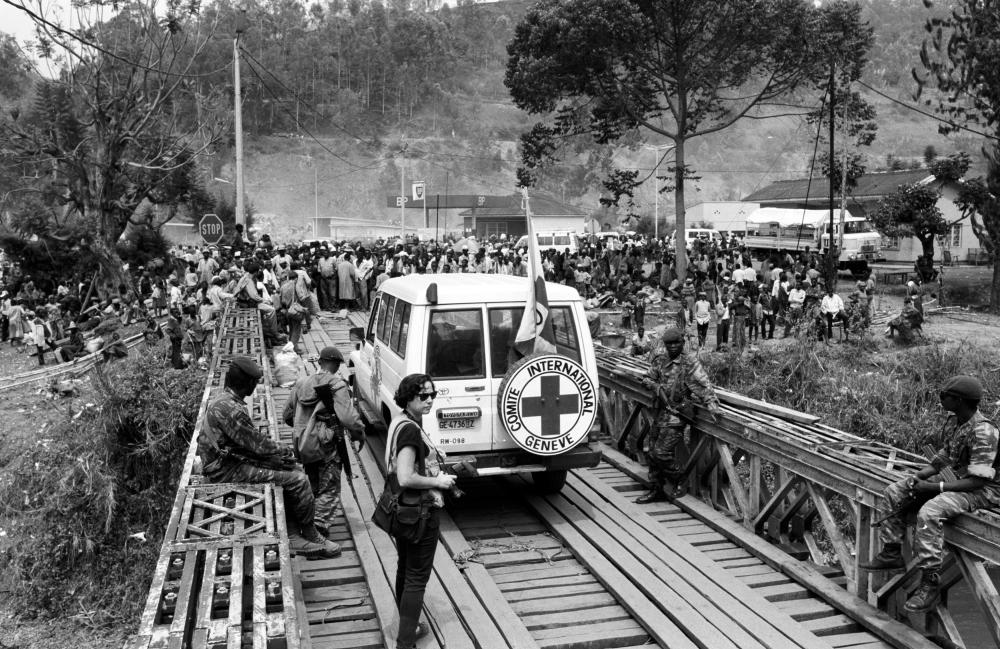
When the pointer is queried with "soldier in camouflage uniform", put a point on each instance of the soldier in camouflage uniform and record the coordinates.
(232, 449)
(675, 376)
(325, 398)
(968, 445)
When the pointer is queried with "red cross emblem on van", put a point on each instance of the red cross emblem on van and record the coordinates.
(547, 403)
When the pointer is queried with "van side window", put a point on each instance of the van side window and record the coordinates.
(565, 332)
(455, 344)
(504, 323)
(385, 317)
(373, 319)
(400, 327)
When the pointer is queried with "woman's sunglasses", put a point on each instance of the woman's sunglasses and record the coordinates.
(426, 396)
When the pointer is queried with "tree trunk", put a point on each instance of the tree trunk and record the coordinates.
(995, 288)
(927, 244)
(680, 238)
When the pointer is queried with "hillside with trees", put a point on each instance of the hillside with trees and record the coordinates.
(339, 95)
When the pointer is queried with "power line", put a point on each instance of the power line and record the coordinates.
(51, 25)
(471, 177)
(928, 114)
(310, 184)
(284, 108)
(299, 99)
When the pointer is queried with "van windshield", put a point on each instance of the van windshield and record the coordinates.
(857, 227)
(504, 323)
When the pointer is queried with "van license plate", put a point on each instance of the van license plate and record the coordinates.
(452, 424)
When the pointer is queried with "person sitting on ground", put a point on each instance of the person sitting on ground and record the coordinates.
(113, 348)
(906, 323)
(74, 348)
(234, 450)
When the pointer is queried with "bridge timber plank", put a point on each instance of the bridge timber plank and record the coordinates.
(513, 629)
(572, 618)
(706, 582)
(661, 627)
(593, 636)
(877, 622)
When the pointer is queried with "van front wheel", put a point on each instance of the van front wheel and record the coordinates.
(549, 482)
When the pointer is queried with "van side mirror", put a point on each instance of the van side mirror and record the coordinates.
(357, 334)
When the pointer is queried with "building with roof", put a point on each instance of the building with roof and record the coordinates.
(505, 215)
(960, 243)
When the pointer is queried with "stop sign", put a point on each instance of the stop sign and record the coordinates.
(210, 228)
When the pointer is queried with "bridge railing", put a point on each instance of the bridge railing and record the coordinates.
(814, 490)
(224, 573)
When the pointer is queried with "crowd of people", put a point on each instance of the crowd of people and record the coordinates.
(291, 284)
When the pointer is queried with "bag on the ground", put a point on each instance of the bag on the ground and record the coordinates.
(286, 369)
(402, 513)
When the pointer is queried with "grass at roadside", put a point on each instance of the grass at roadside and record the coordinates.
(84, 497)
(889, 395)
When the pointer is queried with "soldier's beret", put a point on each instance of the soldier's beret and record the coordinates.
(243, 366)
(963, 387)
(673, 335)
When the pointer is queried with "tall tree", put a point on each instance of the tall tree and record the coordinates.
(961, 62)
(979, 199)
(111, 146)
(912, 211)
(674, 69)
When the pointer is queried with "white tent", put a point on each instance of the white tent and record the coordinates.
(790, 217)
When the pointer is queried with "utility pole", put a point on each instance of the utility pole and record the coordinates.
(656, 197)
(238, 118)
(831, 268)
(656, 185)
(315, 198)
(402, 197)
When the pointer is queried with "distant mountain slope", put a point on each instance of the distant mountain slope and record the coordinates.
(463, 138)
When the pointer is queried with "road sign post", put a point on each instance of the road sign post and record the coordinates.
(210, 228)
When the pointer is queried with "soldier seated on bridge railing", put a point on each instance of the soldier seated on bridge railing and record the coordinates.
(232, 449)
(969, 446)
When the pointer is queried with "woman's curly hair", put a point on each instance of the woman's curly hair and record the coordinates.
(409, 387)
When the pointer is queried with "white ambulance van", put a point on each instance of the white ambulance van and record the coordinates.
(495, 411)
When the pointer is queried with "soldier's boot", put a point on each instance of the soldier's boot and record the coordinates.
(890, 558)
(325, 532)
(655, 494)
(314, 544)
(927, 595)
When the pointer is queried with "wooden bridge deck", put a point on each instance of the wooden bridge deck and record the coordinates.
(584, 569)
(587, 568)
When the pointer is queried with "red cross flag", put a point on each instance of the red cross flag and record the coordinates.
(535, 333)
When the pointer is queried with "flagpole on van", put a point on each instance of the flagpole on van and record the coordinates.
(535, 331)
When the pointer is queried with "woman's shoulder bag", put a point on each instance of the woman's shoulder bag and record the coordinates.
(402, 513)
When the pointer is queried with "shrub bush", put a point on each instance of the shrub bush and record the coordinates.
(889, 397)
(72, 504)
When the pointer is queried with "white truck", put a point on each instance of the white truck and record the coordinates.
(781, 229)
(494, 411)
